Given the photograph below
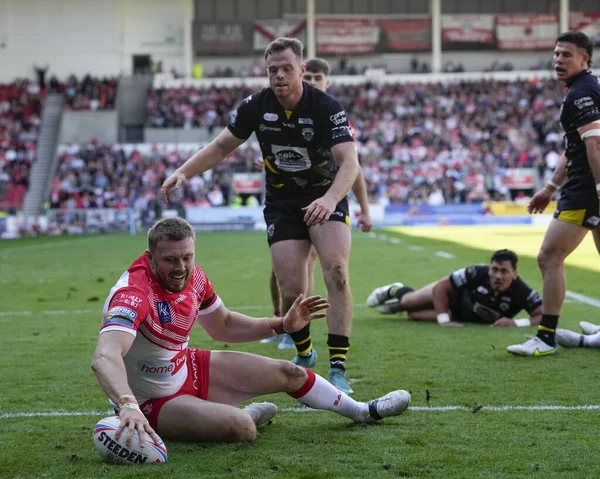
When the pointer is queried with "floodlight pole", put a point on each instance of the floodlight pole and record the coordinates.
(188, 48)
(564, 16)
(311, 47)
(436, 35)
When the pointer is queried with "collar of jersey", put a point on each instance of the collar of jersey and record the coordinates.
(587, 71)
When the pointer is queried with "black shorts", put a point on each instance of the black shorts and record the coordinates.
(285, 219)
(578, 206)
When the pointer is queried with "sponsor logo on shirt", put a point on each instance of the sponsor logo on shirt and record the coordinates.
(162, 368)
(584, 102)
(123, 312)
(164, 313)
(129, 299)
(305, 121)
(504, 306)
(338, 118)
(268, 128)
(482, 290)
(340, 131)
(271, 116)
(459, 277)
(233, 117)
(247, 99)
(180, 299)
(291, 158)
(288, 125)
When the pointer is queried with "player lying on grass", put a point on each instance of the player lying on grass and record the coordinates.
(572, 339)
(157, 383)
(477, 294)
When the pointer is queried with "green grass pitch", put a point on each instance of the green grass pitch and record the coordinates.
(53, 289)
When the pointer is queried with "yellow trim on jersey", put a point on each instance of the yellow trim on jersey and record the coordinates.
(347, 221)
(278, 185)
(302, 342)
(288, 113)
(270, 167)
(572, 216)
(333, 356)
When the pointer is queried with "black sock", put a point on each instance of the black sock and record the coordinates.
(547, 329)
(400, 292)
(338, 348)
(303, 341)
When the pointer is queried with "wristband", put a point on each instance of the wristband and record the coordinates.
(130, 405)
(551, 186)
(521, 323)
(443, 318)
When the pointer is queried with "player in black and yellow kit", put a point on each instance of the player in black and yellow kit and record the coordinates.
(492, 295)
(578, 205)
(310, 163)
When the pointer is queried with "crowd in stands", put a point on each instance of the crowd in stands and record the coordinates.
(20, 112)
(21, 104)
(418, 142)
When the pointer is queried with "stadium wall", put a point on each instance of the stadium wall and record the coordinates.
(86, 36)
(84, 126)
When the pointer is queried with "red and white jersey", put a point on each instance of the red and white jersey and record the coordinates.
(161, 323)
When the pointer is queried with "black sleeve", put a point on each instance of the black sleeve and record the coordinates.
(242, 120)
(334, 122)
(467, 276)
(528, 299)
(583, 106)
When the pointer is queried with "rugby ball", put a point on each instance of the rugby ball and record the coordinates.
(115, 451)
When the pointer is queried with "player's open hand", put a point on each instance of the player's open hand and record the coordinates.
(319, 211)
(540, 201)
(303, 311)
(134, 420)
(176, 180)
(364, 223)
(502, 322)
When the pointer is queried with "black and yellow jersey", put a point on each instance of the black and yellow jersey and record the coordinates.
(581, 106)
(296, 145)
(474, 299)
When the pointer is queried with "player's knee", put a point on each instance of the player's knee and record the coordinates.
(549, 258)
(293, 376)
(336, 275)
(241, 429)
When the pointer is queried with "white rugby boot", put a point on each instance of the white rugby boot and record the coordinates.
(380, 295)
(261, 412)
(589, 328)
(533, 347)
(392, 404)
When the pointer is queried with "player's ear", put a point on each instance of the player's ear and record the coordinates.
(328, 83)
(302, 70)
(148, 254)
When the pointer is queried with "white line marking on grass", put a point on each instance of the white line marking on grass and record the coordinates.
(302, 409)
(416, 248)
(443, 254)
(395, 241)
(383, 237)
(583, 299)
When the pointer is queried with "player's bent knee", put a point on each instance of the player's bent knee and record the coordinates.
(293, 376)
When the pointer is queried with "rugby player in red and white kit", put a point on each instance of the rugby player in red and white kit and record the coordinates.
(157, 383)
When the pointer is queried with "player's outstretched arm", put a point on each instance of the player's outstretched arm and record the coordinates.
(365, 223)
(205, 159)
(109, 368)
(233, 327)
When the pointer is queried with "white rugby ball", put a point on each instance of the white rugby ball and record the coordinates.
(115, 450)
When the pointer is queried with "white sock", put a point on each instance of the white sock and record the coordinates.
(319, 393)
(592, 341)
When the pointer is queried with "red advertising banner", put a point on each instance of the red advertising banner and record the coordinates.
(586, 22)
(247, 182)
(468, 29)
(406, 35)
(526, 31)
(346, 35)
(519, 178)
